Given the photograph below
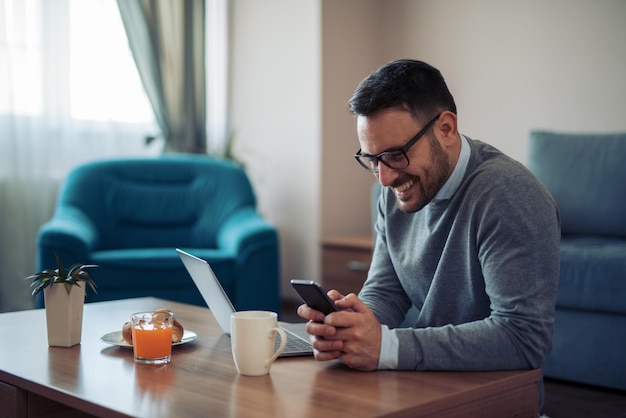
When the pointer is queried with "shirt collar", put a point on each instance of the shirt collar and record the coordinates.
(453, 182)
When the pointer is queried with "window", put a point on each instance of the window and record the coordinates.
(104, 82)
(69, 57)
(21, 57)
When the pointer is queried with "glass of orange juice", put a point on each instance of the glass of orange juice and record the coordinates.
(152, 337)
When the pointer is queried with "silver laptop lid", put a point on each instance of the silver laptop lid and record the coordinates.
(210, 288)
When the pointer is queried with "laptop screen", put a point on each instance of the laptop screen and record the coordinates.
(210, 288)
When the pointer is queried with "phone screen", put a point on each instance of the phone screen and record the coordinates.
(314, 295)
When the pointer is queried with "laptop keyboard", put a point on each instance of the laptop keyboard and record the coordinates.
(295, 344)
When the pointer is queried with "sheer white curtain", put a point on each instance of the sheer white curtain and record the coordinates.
(217, 47)
(69, 93)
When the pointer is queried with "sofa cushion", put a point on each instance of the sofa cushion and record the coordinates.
(586, 175)
(593, 274)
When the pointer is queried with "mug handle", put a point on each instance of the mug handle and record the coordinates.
(281, 347)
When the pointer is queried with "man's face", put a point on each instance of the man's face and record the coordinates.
(429, 163)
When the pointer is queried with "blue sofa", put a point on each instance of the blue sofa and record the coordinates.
(586, 174)
(129, 215)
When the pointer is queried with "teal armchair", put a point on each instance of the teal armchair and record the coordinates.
(129, 215)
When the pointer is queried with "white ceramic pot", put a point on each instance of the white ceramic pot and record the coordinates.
(64, 314)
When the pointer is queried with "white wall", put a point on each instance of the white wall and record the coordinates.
(350, 51)
(512, 66)
(275, 108)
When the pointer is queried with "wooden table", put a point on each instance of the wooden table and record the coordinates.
(98, 379)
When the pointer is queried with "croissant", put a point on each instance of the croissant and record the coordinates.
(177, 329)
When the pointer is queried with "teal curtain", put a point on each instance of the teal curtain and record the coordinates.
(167, 40)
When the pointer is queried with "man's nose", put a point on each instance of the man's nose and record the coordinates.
(386, 175)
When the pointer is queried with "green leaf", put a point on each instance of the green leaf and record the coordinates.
(68, 287)
(71, 277)
(61, 270)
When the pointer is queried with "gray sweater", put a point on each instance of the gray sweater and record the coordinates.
(482, 269)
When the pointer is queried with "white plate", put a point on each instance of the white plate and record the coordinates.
(115, 338)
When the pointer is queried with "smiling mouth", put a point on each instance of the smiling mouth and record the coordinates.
(401, 189)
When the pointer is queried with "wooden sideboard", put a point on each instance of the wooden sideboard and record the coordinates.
(345, 262)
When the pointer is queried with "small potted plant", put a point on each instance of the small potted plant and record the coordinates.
(63, 304)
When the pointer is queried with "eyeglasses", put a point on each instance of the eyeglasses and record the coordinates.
(393, 158)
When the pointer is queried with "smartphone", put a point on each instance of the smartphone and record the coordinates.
(314, 295)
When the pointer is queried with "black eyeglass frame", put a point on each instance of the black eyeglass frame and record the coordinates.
(379, 157)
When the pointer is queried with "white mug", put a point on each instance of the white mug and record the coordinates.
(253, 341)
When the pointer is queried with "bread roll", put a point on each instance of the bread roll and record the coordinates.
(177, 328)
(177, 332)
(127, 332)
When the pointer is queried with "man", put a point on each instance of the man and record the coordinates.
(465, 234)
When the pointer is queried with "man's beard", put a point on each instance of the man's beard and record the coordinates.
(438, 173)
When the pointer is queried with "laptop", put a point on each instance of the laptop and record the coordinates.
(221, 306)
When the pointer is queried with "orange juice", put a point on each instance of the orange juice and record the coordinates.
(152, 337)
(152, 342)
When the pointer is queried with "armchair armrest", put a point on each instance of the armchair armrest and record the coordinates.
(244, 231)
(254, 243)
(69, 232)
(71, 235)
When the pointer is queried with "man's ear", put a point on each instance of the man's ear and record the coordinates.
(447, 127)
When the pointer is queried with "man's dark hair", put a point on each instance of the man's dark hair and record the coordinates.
(414, 85)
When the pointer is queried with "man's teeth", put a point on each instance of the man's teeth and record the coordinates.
(404, 187)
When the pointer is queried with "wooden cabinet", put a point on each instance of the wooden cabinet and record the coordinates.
(20, 403)
(345, 262)
(12, 401)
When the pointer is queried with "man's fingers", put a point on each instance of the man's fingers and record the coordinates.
(306, 312)
(326, 349)
(351, 302)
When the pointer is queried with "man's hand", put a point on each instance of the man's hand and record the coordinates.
(353, 334)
